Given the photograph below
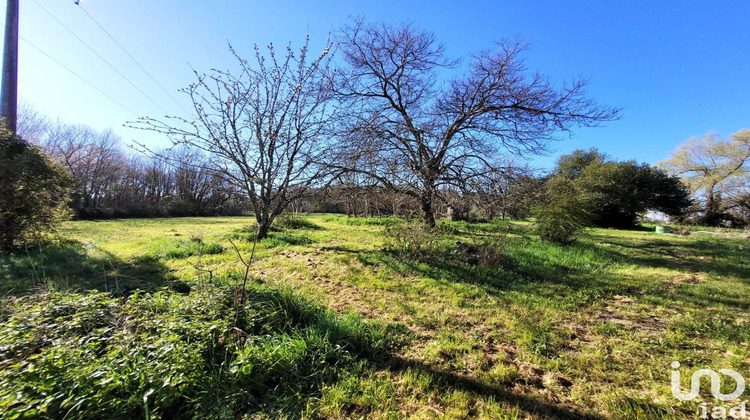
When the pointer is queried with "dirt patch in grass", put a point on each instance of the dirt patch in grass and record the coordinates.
(687, 279)
(616, 313)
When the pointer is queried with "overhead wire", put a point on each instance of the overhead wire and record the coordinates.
(78, 3)
(83, 79)
(102, 58)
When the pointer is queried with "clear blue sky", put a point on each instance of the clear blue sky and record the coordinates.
(677, 68)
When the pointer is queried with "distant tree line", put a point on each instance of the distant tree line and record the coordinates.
(109, 182)
(508, 193)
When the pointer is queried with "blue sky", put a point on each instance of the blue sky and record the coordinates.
(677, 68)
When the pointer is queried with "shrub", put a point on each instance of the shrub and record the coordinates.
(413, 241)
(294, 221)
(492, 251)
(566, 211)
(556, 225)
(33, 193)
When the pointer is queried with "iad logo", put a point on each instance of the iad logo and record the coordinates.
(695, 384)
(706, 411)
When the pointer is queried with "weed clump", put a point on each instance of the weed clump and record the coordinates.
(279, 239)
(293, 221)
(413, 241)
(182, 248)
(490, 252)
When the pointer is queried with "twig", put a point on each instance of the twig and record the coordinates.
(247, 265)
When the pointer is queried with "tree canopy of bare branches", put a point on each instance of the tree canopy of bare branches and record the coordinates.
(717, 172)
(264, 125)
(414, 132)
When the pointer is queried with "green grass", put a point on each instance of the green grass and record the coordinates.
(181, 248)
(501, 326)
(167, 354)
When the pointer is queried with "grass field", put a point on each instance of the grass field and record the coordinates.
(485, 321)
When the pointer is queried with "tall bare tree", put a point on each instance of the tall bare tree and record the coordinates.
(415, 133)
(264, 125)
(717, 171)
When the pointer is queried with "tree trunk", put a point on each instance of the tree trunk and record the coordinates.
(712, 214)
(264, 226)
(427, 211)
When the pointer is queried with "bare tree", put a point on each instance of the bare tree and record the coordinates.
(264, 126)
(717, 171)
(415, 134)
(94, 159)
(32, 125)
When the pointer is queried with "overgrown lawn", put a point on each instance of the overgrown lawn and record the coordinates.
(345, 318)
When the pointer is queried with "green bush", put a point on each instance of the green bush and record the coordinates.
(33, 193)
(567, 211)
(556, 225)
(293, 221)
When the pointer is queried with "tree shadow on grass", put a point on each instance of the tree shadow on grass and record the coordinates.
(531, 405)
(71, 265)
(375, 343)
(720, 258)
(520, 272)
(723, 258)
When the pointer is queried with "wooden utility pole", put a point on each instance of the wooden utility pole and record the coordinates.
(9, 93)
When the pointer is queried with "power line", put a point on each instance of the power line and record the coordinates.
(102, 58)
(131, 57)
(79, 76)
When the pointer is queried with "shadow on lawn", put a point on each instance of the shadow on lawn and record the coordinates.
(381, 358)
(69, 265)
(723, 258)
(581, 273)
(531, 405)
(517, 271)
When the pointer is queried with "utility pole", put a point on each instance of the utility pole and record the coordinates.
(9, 93)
